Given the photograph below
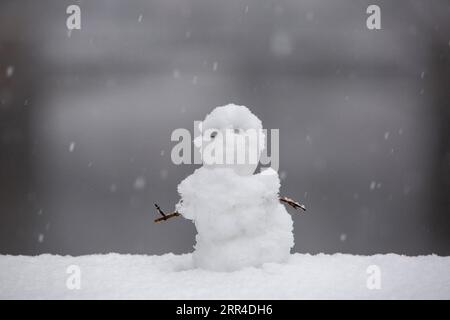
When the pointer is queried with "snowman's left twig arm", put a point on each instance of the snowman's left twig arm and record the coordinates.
(294, 204)
(165, 216)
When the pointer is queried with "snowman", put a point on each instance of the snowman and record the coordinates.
(239, 219)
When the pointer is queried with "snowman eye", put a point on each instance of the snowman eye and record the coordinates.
(237, 131)
(213, 134)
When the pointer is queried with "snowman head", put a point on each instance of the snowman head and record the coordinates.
(231, 137)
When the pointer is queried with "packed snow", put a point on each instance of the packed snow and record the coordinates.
(231, 137)
(303, 276)
(237, 214)
(239, 219)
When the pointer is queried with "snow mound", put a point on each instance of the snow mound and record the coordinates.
(115, 276)
(239, 219)
(238, 216)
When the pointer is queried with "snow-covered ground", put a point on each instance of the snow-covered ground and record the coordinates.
(116, 276)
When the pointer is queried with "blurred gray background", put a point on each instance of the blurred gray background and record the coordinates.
(86, 118)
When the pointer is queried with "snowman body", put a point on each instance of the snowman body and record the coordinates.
(239, 219)
(237, 214)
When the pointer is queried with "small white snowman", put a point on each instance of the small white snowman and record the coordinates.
(238, 215)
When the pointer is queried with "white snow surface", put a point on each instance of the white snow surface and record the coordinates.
(303, 276)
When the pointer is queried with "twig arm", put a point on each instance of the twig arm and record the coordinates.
(168, 216)
(294, 204)
(165, 216)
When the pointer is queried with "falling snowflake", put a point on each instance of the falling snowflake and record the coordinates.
(139, 183)
(9, 71)
(164, 173)
(281, 44)
(308, 139)
(310, 16)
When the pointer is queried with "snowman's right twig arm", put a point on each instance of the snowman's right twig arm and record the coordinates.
(294, 204)
(165, 216)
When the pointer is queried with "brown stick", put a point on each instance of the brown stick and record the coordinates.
(168, 216)
(294, 204)
(165, 216)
